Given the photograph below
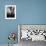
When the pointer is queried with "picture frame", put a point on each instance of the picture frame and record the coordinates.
(10, 11)
(36, 32)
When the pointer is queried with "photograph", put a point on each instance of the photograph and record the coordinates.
(10, 11)
(29, 33)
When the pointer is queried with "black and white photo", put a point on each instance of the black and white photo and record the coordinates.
(10, 11)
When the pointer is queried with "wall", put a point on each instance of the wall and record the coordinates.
(27, 12)
(31, 11)
(6, 26)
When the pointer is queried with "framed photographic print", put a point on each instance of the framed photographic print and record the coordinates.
(33, 32)
(10, 11)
